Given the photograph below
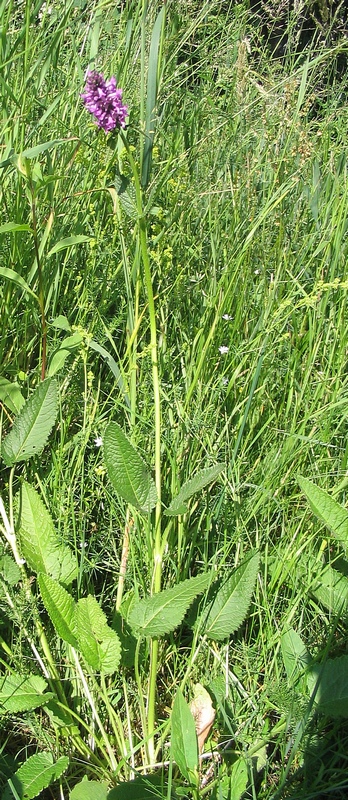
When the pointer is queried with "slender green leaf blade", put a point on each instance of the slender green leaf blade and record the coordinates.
(184, 745)
(70, 241)
(163, 612)
(13, 276)
(191, 487)
(98, 643)
(151, 99)
(60, 606)
(330, 684)
(232, 601)
(10, 227)
(36, 774)
(334, 516)
(33, 425)
(39, 542)
(127, 471)
(22, 693)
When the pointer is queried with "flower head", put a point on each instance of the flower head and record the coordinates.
(98, 441)
(104, 100)
(223, 349)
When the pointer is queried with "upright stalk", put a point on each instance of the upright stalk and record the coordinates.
(157, 539)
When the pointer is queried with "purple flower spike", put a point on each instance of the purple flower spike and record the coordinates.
(104, 100)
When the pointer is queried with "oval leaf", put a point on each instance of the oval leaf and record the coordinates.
(163, 612)
(232, 601)
(329, 683)
(22, 693)
(127, 471)
(33, 425)
(36, 774)
(11, 395)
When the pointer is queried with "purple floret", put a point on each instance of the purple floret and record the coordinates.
(104, 100)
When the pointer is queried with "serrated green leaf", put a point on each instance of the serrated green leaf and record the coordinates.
(330, 684)
(89, 790)
(60, 607)
(295, 656)
(191, 487)
(36, 774)
(334, 516)
(11, 395)
(184, 746)
(163, 612)
(232, 601)
(70, 241)
(127, 471)
(9, 570)
(97, 642)
(39, 542)
(33, 425)
(22, 693)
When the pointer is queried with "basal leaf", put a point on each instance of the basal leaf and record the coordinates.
(22, 693)
(184, 745)
(33, 425)
(163, 612)
(39, 542)
(330, 684)
(232, 601)
(334, 516)
(191, 487)
(36, 774)
(60, 607)
(97, 642)
(127, 471)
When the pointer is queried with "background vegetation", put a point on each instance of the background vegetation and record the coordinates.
(238, 132)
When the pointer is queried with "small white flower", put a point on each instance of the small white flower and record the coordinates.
(224, 381)
(227, 316)
(98, 441)
(257, 271)
(223, 349)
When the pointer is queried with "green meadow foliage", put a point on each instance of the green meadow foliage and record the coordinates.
(173, 395)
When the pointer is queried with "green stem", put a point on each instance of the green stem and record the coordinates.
(157, 541)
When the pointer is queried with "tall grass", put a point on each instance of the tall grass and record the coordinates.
(243, 174)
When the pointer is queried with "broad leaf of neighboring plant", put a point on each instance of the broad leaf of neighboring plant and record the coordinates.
(144, 787)
(36, 774)
(127, 471)
(98, 643)
(295, 656)
(68, 346)
(232, 601)
(191, 487)
(33, 425)
(11, 395)
(163, 612)
(331, 591)
(89, 790)
(329, 682)
(22, 693)
(326, 509)
(184, 746)
(39, 542)
(60, 607)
